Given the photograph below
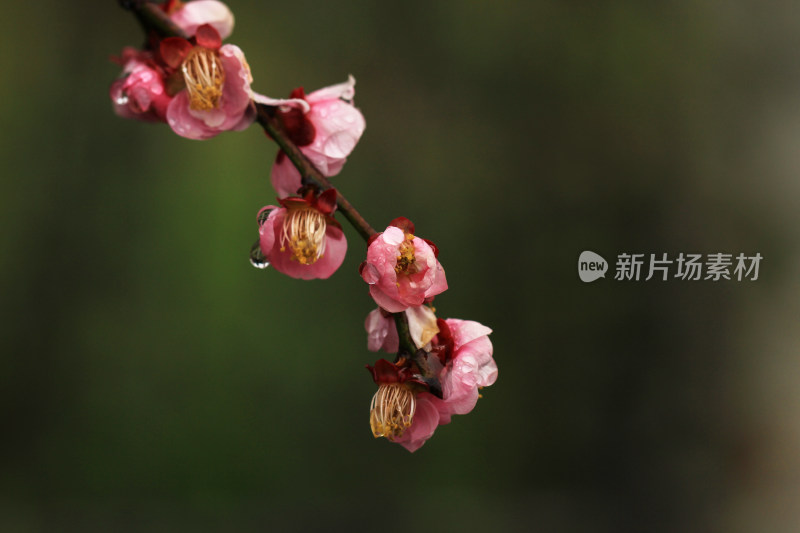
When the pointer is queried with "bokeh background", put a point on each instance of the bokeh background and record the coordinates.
(152, 380)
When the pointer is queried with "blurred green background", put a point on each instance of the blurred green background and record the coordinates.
(152, 380)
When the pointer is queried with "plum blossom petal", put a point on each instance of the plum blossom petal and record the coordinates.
(191, 15)
(381, 332)
(426, 419)
(282, 102)
(284, 176)
(338, 123)
(421, 324)
(341, 91)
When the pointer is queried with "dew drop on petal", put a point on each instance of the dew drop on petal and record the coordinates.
(257, 258)
(122, 99)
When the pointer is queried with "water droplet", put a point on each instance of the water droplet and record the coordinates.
(257, 259)
(122, 99)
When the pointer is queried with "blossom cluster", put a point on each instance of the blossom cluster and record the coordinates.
(201, 87)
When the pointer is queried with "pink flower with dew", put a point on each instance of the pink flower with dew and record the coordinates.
(326, 130)
(301, 238)
(470, 367)
(462, 352)
(189, 16)
(139, 93)
(401, 269)
(382, 332)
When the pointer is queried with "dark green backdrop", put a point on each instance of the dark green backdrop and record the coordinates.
(151, 380)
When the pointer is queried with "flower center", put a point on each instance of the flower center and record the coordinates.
(406, 262)
(204, 76)
(304, 232)
(392, 410)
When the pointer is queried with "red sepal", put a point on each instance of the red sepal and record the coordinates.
(298, 127)
(443, 343)
(298, 93)
(292, 201)
(174, 50)
(386, 372)
(372, 238)
(404, 224)
(326, 202)
(208, 37)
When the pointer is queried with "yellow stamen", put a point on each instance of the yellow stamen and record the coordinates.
(406, 260)
(204, 77)
(392, 410)
(304, 232)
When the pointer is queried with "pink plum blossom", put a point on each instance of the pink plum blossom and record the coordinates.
(139, 93)
(189, 16)
(301, 238)
(401, 269)
(464, 355)
(382, 332)
(217, 95)
(326, 130)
